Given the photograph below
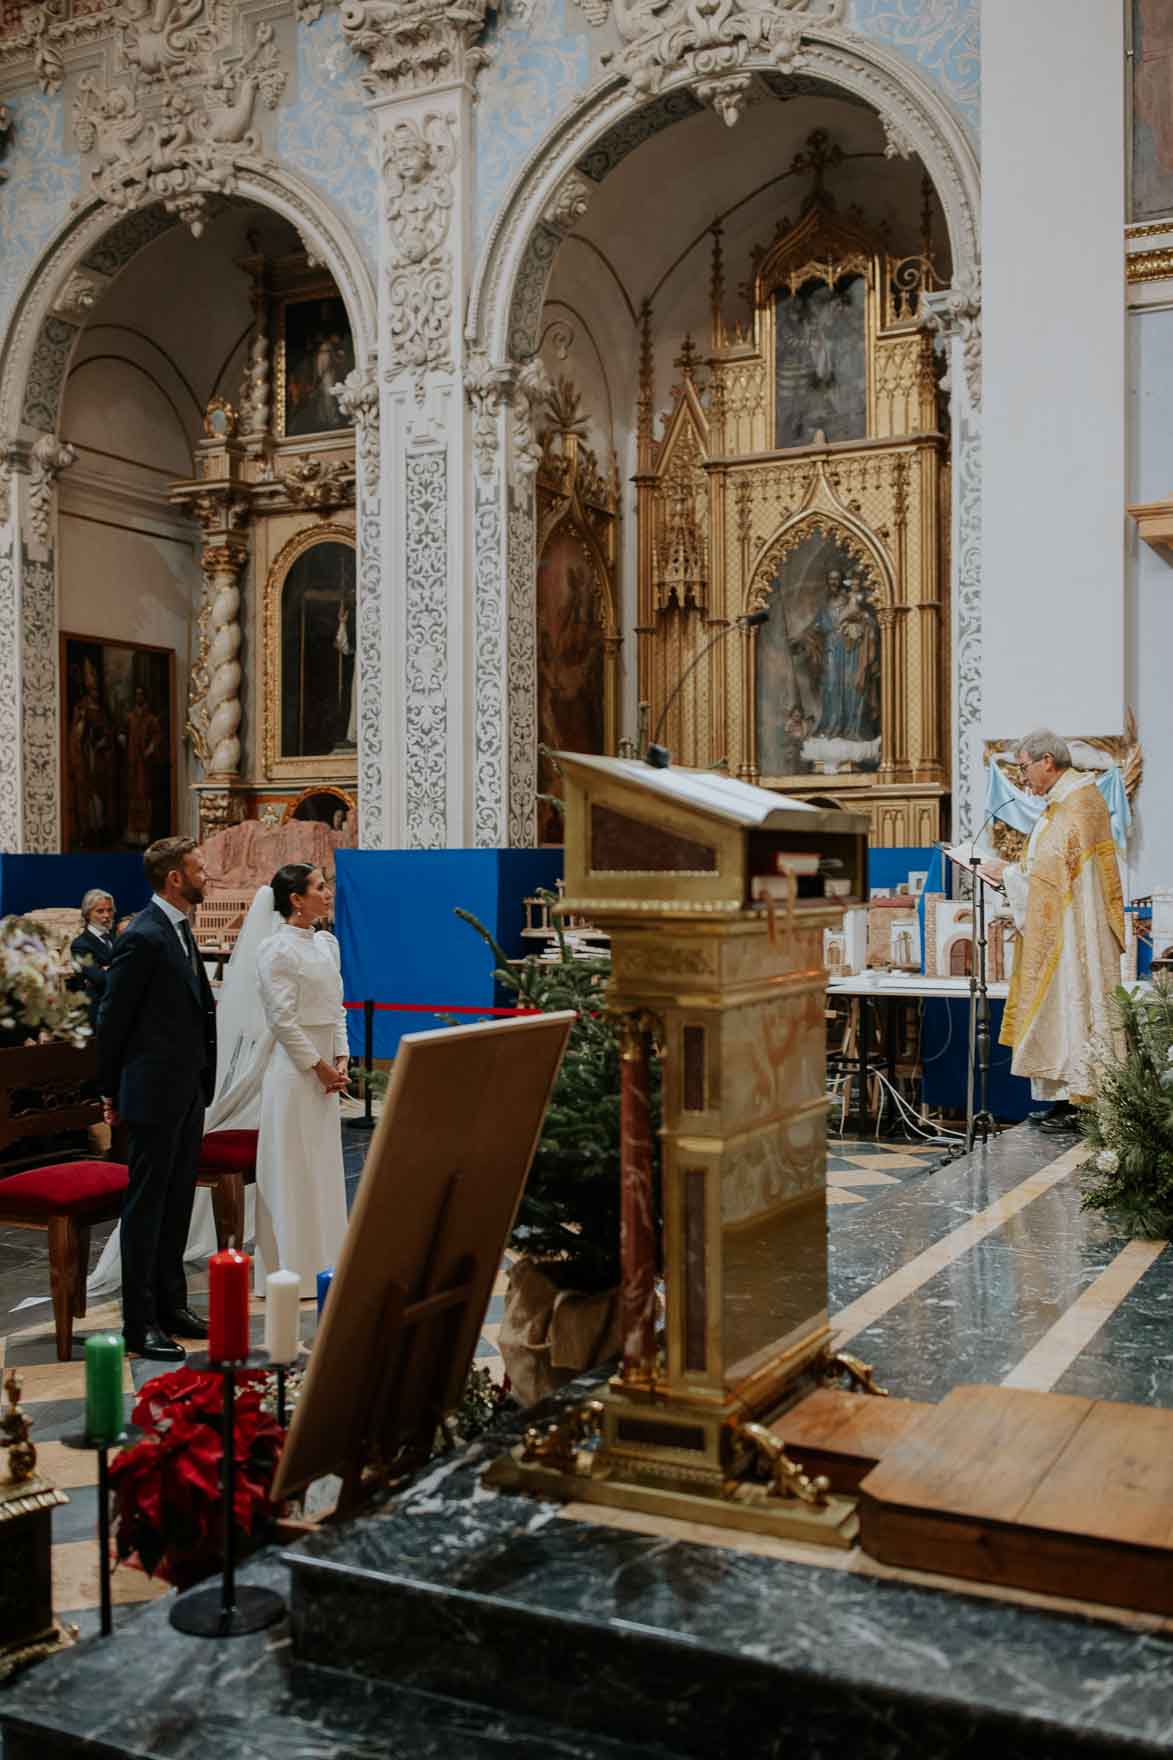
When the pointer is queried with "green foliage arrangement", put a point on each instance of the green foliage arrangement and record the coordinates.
(1131, 1125)
(569, 1215)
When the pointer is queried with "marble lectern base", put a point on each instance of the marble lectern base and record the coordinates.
(461, 1622)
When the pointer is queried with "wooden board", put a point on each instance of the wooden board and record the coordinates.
(1038, 1491)
(843, 1435)
(439, 1189)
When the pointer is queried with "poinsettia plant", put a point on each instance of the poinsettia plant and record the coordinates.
(168, 1516)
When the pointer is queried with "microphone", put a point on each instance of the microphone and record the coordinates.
(659, 757)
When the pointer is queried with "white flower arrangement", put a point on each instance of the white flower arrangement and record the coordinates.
(1107, 1161)
(37, 1001)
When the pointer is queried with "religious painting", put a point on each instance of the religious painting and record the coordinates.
(1152, 110)
(117, 744)
(315, 354)
(571, 692)
(818, 667)
(317, 649)
(820, 362)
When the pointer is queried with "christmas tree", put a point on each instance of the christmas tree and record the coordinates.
(569, 1215)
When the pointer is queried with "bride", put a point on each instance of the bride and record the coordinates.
(280, 1064)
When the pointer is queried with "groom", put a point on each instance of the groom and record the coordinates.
(157, 1070)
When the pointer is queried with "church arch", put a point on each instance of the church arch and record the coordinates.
(555, 187)
(87, 257)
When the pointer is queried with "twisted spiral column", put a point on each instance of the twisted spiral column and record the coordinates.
(222, 565)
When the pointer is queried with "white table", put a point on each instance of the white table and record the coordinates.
(888, 988)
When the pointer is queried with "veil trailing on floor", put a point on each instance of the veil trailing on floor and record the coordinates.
(243, 1048)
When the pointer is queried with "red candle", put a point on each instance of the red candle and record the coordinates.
(228, 1281)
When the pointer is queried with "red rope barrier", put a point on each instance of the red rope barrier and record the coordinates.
(439, 1008)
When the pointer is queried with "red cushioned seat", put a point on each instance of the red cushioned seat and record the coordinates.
(70, 1188)
(228, 1152)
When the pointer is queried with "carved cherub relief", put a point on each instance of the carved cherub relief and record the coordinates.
(416, 170)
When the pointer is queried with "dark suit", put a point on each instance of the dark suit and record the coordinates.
(157, 1061)
(93, 956)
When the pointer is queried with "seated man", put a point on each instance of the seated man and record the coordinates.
(1069, 910)
(93, 949)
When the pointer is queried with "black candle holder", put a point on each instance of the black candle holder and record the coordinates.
(227, 1612)
(78, 1439)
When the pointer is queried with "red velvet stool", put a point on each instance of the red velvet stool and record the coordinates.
(228, 1163)
(65, 1200)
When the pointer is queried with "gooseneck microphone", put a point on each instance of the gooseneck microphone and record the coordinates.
(659, 756)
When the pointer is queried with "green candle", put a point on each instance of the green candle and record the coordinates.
(104, 1358)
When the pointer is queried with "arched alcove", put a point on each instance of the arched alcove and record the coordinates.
(79, 355)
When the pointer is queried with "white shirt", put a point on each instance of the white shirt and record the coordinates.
(176, 917)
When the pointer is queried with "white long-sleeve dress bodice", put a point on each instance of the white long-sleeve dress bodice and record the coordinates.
(301, 1186)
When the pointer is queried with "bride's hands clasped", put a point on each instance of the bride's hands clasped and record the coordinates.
(331, 1075)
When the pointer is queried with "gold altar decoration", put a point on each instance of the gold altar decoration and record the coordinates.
(1122, 749)
(28, 1630)
(578, 609)
(274, 475)
(725, 500)
(668, 863)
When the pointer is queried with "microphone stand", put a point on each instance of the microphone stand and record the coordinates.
(978, 1070)
(659, 757)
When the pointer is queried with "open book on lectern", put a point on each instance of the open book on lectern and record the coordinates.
(964, 855)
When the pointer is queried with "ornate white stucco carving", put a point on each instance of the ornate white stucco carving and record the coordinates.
(426, 651)
(486, 388)
(521, 563)
(713, 40)
(5, 479)
(48, 458)
(416, 45)
(569, 203)
(254, 387)
(358, 399)
(38, 640)
(80, 295)
(489, 601)
(958, 312)
(179, 128)
(530, 391)
(897, 144)
(417, 174)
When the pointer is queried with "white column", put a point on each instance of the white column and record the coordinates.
(1054, 400)
(421, 79)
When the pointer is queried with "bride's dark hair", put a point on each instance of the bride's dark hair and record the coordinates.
(293, 877)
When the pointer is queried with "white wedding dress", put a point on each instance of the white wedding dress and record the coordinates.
(301, 1185)
(247, 1045)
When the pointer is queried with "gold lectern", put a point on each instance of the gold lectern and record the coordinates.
(715, 895)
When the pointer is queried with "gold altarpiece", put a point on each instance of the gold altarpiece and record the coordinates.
(726, 500)
(271, 711)
(578, 632)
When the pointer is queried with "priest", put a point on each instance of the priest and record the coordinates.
(1069, 912)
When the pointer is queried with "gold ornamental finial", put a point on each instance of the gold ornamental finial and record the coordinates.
(14, 1433)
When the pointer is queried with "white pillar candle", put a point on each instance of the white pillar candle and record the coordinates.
(282, 1293)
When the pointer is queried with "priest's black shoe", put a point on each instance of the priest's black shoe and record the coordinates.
(155, 1345)
(1061, 1121)
(185, 1324)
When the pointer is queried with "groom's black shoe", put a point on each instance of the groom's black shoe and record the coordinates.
(156, 1345)
(185, 1324)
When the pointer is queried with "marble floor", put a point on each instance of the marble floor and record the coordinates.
(982, 1268)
